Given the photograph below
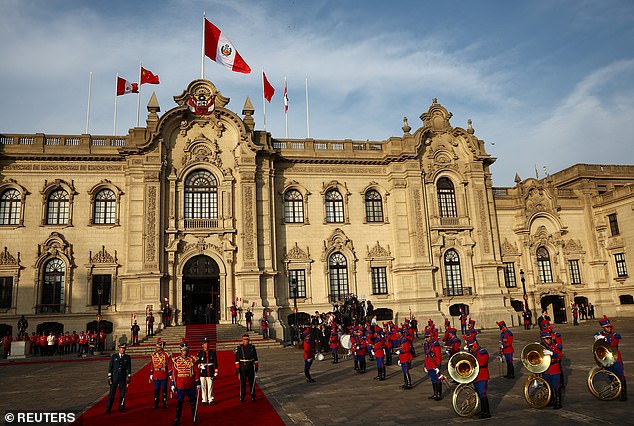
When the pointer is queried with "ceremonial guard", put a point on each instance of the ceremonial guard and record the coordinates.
(208, 366)
(553, 374)
(185, 378)
(246, 366)
(405, 361)
(309, 354)
(119, 376)
(506, 349)
(150, 324)
(248, 316)
(23, 324)
(613, 340)
(334, 345)
(481, 383)
(527, 315)
(135, 333)
(234, 313)
(159, 372)
(463, 321)
(433, 361)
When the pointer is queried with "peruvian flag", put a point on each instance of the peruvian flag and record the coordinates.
(219, 48)
(124, 87)
(148, 77)
(269, 91)
(285, 97)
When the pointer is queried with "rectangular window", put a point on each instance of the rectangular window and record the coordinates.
(297, 280)
(509, 274)
(621, 269)
(575, 274)
(103, 283)
(379, 280)
(6, 292)
(614, 224)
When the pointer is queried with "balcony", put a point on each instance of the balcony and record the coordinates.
(50, 308)
(460, 291)
(201, 223)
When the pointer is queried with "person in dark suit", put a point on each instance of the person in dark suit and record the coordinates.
(119, 375)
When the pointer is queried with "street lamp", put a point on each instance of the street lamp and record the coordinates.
(294, 289)
(524, 290)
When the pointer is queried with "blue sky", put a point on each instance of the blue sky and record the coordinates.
(547, 83)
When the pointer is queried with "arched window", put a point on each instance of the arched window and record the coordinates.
(57, 208)
(201, 196)
(334, 207)
(446, 198)
(105, 207)
(453, 276)
(373, 206)
(543, 266)
(293, 207)
(53, 286)
(10, 205)
(338, 276)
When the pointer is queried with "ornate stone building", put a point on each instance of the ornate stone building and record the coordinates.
(198, 208)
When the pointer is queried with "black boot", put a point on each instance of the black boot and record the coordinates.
(378, 376)
(356, 365)
(557, 402)
(510, 371)
(382, 373)
(194, 413)
(435, 388)
(307, 374)
(179, 411)
(409, 381)
(484, 408)
(623, 390)
(404, 386)
(156, 398)
(439, 390)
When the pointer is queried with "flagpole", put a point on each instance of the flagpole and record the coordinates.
(202, 51)
(307, 115)
(263, 100)
(138, 103)
(88, 109)
(285, 109)
(114, 130)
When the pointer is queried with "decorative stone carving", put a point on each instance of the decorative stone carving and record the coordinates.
(614, 243)
(379, 252)
(55, 245)
(7, 258)
(103, 256)
(338, 241)
(509, 249)
(573, 246)
(297, 253)
(202, 150)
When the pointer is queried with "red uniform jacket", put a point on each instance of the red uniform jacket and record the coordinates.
(379, 350)
(506, 339)
(405, 353)
(482, 356)
(555, 366)
(309, 349)
(185, 374)
(334, 341)
(433, 357)
(161, 365)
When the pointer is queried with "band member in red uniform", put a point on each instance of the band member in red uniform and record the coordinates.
(552, 375)
(453, 342)
(433, 360)
(208, 363)
(405, 361)
(334, 345)
(159, 372)
(613, 340)
(119, 376)
(463, 321)
(379, 355)
(481, 383)
(506, 348)
(185, 381)
(360, 350)
(309, 354)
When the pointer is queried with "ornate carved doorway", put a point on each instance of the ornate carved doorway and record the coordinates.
(201, 291)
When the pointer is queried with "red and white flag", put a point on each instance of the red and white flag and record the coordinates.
(124, 87)
(269, 91)
(285, 97)
(219, 48)
(149, 77)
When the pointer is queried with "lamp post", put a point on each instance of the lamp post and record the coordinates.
(294, 289)
(524, 290)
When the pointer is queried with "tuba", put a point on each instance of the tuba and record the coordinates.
(537, 392)
(463, 368)
(604, 384)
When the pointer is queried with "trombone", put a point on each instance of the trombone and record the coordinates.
(463, 368)
(537, 392)
(602, 383)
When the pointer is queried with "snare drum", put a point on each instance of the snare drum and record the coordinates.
(345, 341)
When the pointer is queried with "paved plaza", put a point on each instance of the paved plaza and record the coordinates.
(342, 397)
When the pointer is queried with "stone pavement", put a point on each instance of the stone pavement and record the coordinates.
(340, 396)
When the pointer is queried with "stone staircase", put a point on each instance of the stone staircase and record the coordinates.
(228, 337)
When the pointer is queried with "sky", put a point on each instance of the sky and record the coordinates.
(547, 83)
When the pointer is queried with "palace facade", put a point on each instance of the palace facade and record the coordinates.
(200, 209)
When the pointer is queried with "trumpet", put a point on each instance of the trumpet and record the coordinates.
(602, 383)
(537, 392)
(463, 368)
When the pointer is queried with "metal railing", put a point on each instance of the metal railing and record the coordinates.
(458, 291)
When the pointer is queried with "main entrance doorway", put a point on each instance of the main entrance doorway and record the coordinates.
(201, 291)
(558, 308)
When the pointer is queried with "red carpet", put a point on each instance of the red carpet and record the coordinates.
(228, 408)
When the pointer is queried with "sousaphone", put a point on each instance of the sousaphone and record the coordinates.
(602, 383)
(537, 392)
(463, 368)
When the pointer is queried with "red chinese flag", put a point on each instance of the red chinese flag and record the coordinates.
(124, 87)
(148, 77)
(269, 91)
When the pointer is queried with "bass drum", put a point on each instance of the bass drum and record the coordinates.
(345, 341)
(537, 392)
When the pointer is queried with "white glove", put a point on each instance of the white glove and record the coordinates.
(173, 389)
(466, 347)
(547, 352)
(599, 337)
(425, 370)
(399, 363)
(151, 377)
(202, 366)
(437, 370)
